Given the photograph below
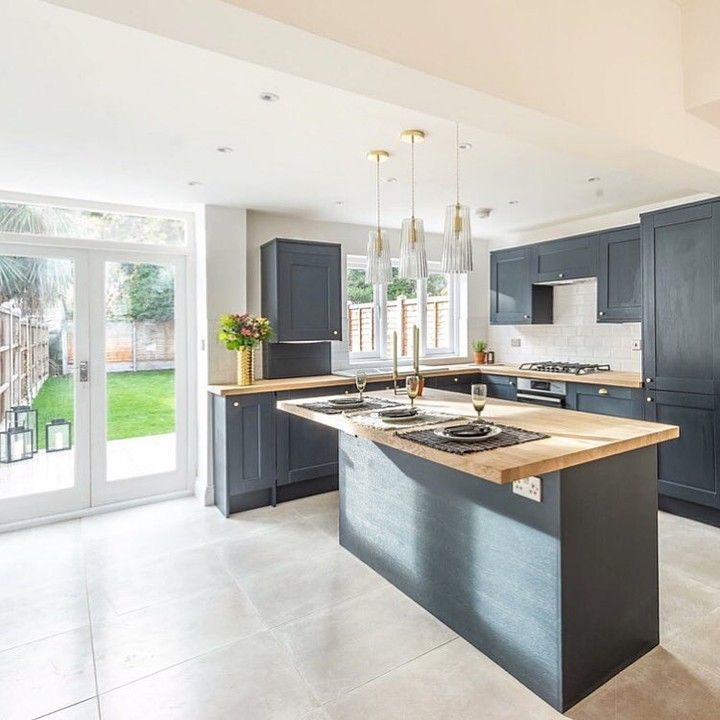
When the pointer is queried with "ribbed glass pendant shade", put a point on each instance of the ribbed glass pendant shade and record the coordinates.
(378, 270)
(413, 260)
(457, 244)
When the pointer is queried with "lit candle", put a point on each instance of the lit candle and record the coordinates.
(394, 355)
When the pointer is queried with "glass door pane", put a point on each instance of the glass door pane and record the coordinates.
(40, 406)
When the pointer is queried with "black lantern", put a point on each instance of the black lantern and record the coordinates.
(16, 443)
(58, 435)
(23, 416)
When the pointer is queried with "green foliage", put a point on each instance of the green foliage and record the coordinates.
(139, 403)
(479, 346)
(34, 284)
(150, 292)
(238, 331)
(358, 290)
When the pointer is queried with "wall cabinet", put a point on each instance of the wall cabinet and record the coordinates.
(566, 259)
(302, 289)
(606, 400)
(501, 386)
(244, 469)
(688, 466)
(304, 450)
(513, 298)
(619, 276)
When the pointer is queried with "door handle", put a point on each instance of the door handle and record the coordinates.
(83, 368)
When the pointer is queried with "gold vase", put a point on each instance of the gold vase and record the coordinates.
(245, 366)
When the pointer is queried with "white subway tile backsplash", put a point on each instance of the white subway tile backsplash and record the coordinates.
(575, 335)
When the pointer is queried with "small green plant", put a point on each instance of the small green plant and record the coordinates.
(479, 346)
(238, 331)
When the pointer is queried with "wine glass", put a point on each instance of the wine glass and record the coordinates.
(478, 394)
(360, 382)
(412, 387)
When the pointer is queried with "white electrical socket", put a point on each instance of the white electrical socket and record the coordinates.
(515, 342)
(637, 344)
(529, 487)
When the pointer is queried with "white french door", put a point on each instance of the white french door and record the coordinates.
(92, 340)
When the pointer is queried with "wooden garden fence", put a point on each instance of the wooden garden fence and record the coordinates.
(24, 358)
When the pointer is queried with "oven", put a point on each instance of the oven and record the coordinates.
(542, 392)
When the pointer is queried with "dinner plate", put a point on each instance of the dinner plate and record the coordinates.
(402, 418)
(442, 433)
(401, 412)
(347, 402)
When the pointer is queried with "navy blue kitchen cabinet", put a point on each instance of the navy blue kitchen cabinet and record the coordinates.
(681, 358)
(567, 259)
(243, 451)
(305, 450)
(606, 400)
(456, 383)
(619, 276)
(302, 289)
(501, 386)
(514, 300)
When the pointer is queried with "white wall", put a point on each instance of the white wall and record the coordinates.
(262, 227)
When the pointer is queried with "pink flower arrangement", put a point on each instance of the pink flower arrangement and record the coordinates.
(243, 331)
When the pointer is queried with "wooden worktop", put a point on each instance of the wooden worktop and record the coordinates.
(610, 378)
(575, 437)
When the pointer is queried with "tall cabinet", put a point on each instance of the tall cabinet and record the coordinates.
(681, 335)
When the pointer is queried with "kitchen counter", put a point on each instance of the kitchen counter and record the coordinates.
(611, 378)
(561, 588)
(575, 438)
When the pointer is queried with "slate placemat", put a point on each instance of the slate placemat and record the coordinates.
(509, 436)
(369, 404)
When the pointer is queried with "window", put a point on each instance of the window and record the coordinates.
(86, 224)
(373, 314)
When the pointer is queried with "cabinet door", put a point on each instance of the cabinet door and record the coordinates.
(687, 466)
(510, 288)
(454, 383)
(564, 259)
(681, 286)
(500, 386)
(606, 400)
(249, 443)
(619, 288)
(309, 289)
(305, 450)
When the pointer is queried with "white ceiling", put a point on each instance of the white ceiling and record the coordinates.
(100, 111)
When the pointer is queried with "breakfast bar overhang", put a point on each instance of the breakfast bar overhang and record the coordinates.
(562, 593)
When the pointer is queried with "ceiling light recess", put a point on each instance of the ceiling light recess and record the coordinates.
(269, 97)
(413, 259)
(378, 267)
(225, 149)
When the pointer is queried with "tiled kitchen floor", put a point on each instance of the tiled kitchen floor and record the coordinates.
(171, 611)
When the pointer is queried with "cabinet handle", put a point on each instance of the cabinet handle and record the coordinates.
(648, 399)
(527, 317)
(455, 380)
(601, 313)
(561, 275)
(648, 380)
(603, 391)
(236, 404)
(335, 332)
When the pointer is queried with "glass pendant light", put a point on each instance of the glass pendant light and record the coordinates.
(457, 242)
(413, 261)
(378, 270)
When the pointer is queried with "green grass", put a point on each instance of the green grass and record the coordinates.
(139, 403)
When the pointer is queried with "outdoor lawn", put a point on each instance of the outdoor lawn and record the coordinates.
(140, 403)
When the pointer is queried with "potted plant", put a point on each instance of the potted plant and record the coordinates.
(243, 333)
(479, 351)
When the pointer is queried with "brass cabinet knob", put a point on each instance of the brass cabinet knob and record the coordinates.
(561, 275)
(601, 313)
(527, 317)
(603, 391)
(335, 332)
(648, 380)
(455, 380)
(236, 404)
(648, 399)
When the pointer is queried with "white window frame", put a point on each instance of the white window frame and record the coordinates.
(382, 351)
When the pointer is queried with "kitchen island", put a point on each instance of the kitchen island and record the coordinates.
(562, 593)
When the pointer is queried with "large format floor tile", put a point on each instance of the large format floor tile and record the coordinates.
(684, 601)
(252, 678)
(347, 645)
(691, 547)
(452, 682)
(87, 710)
(289, 590)
(140, 643)
(43, 676)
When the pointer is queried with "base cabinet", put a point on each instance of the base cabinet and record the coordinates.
(605, 400)
(501, 386)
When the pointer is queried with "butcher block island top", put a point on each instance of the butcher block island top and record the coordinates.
(575, 437)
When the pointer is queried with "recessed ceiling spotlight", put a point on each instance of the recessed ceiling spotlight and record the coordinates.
(464, 146)
(391, 179)
(483, 213)
(194, 183)
(594, 178)
(339, 202)
(513, 202)
(269, 97)
(225, 149)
